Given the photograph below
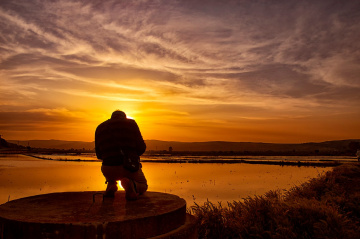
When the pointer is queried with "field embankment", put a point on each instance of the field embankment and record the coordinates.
(324, 207)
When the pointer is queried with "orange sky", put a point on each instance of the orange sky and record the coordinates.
(185, 71)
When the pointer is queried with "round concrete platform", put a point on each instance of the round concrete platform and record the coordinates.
(89, 215)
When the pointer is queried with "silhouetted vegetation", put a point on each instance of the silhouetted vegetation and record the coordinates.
(324, 207)
(5, 145)
(317, 152)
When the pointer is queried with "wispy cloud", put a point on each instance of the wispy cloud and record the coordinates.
(246, 59)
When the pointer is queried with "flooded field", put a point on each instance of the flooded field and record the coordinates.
(22, 176)
(165, 157)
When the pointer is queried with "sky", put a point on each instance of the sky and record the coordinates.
(282, 71)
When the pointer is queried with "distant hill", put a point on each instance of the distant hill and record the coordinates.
(158, 145)
(3, 143)
(55, 144)
(7, 145)
(328, 146)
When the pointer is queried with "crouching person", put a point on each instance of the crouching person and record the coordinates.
(119, 144)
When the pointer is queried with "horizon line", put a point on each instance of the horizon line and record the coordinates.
(190, 141)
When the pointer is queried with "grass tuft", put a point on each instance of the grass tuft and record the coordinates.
(324, 207)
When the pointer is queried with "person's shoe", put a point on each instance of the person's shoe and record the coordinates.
(130, 190)
(110, 190)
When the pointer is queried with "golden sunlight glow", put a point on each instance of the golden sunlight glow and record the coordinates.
(237, 82)
(119, 185)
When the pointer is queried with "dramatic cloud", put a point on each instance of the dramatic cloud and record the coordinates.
(229, 70)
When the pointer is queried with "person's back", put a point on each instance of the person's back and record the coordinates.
(115, 134)
(112, 138)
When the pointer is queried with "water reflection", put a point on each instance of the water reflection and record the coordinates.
(23, 176)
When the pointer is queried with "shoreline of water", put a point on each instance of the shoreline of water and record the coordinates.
(324, 161)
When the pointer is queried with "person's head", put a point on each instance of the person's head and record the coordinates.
(118, 114)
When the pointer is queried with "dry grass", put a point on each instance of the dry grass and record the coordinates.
(325, 207)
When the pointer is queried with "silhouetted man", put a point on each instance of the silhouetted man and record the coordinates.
(115, 139)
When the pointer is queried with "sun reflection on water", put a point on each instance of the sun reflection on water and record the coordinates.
(25, 176)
